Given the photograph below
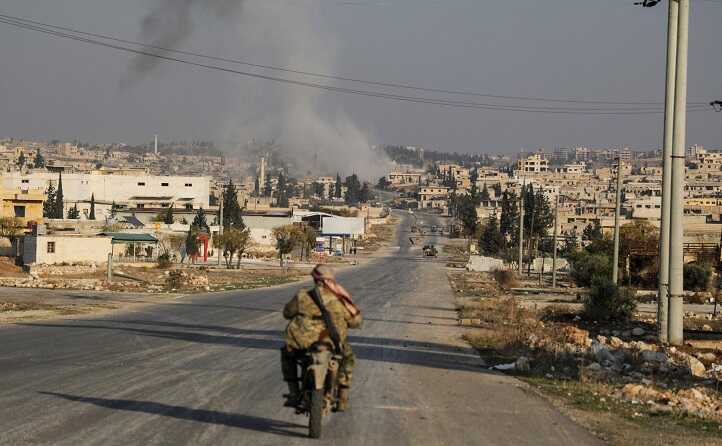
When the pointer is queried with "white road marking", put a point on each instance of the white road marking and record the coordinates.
(398, 408)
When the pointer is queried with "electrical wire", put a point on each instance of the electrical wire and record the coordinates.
(333, 77)
(384, 95)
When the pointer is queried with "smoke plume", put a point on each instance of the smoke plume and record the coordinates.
(170, 23)
(310, 125)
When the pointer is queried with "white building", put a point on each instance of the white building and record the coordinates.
(130, 190)
(59, 248)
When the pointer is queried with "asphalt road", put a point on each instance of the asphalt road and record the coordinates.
(205, 370)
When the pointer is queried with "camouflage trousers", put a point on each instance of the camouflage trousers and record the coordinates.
(289, 364)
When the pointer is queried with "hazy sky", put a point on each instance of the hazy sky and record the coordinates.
(599, 49)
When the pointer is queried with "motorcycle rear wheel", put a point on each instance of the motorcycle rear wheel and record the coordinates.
(315, 418)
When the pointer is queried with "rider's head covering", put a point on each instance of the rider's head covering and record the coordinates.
(325, 275)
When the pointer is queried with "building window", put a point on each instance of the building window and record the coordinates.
(140, 206)
(164, 184)
(189, 207)
(189, 184)
(141, 184)
(25, 181)
(20, 211)
(51, 247)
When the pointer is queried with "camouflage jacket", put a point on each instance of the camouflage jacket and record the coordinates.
(306, 324)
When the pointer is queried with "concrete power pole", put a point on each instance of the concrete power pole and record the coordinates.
(556, 233)
(617, 212)
(220, 227)
(676, 233)
(663, 275)
(521, 229)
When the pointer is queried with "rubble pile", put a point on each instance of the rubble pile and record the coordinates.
(59, 270)
(665, 379)
(178, 279)
(35, 281)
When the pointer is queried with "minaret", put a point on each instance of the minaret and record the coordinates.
(155, 150)
(262, 175)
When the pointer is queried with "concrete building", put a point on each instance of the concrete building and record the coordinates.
(131, 190)
(24, 204)
(535, 163)
(436, 197)
(59, 248)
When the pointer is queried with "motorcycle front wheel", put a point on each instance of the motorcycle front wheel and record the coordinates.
(315, 414)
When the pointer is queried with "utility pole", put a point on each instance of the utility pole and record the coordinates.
(521, 229)
(220, 227)
(617, 212)
(556, 232)
(663, 274)
(676, 233)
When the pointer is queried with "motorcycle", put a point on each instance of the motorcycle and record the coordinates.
(319, 386)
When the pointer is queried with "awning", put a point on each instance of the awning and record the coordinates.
(124, 237)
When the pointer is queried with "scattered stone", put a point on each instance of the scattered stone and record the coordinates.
(638, 331)
(651, 356)
(706, 327)
(696, 368)
(576, 335)
(615, 342)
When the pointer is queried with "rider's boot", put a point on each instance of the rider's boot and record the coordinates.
(343, 404)
(293, 397)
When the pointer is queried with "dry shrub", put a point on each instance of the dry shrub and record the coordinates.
(558, 313)
(505, 278)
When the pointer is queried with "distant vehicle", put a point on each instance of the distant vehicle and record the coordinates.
(430, 251)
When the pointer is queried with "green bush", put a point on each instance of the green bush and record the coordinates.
(586, 266)
(607, 301)
(696, 277)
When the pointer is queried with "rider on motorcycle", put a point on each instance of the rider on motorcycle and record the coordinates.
(307, 327)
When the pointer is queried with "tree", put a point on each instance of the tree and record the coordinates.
(338, 188)
(10, 227)
(91, 216)
(353, 190)
(73, 213)
(22, 160)
(168, 215)
(191, 244)
(593, 231)
(232, 211)
(233, 242)
(113, 210)
(257, 188)
(308, 241)
(484, 196)
(466, 213)
(39, 161)
(59, 200)
(365, 193)
(497, 190)
(383, 183)
(491, 242)
(282, 191)
(200, 221)
(287, 238)
(49, 203)
(509, 222)
(268, 187)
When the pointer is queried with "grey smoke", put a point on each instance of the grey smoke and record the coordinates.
(170, 23)
(277, 32)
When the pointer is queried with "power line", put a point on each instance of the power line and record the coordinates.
(340, 78)
(384, 95)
